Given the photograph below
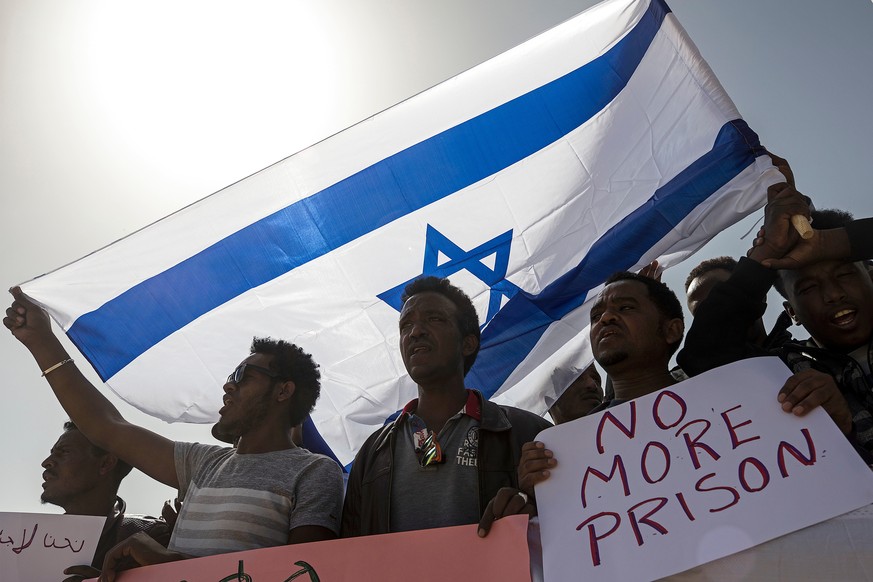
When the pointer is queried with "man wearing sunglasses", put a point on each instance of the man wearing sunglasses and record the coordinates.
(450, 450)
(276, 493)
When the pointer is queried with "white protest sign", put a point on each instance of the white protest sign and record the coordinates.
(689, 474)
(39, 546)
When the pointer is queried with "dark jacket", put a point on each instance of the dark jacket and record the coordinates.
(717, 337)
(719, 331)
(860, 233)
(502, 432)
(855, 386)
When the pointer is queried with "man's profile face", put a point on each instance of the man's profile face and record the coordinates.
(431, 344)
(580, 397)
(71, 469)
(700, 287)
(247, 402)
(833, 300)
(626, 325)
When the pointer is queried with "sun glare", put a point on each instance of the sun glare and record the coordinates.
(196, 81)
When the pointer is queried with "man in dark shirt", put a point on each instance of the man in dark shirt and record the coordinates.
(582, 396)
(83, 479)
(703, 279)
(450, 450)
(827, 289)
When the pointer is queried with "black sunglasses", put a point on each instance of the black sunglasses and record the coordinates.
(240, 372)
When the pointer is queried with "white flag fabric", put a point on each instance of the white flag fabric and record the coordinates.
(597, 146)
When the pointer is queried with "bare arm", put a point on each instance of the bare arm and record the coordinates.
(830, 244)
(95, 416)
(139, 549)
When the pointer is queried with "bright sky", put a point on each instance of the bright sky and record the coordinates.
(113, 115)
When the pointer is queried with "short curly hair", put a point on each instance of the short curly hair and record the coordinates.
(121, 470)
(468, 319)
(724, 262)
(290, 362)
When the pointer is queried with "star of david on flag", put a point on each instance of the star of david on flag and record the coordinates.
(438, 247)
(597, 146)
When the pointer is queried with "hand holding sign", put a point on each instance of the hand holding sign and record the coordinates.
(810, 388)
(80, 573)
(532, 469)
(536, 461)
(508, 501)
(689, 474)
(141, 549)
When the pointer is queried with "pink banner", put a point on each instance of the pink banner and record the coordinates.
(433, 555)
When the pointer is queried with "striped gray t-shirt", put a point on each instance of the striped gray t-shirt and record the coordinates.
(235, 502)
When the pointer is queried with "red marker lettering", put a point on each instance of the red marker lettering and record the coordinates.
(593, 538)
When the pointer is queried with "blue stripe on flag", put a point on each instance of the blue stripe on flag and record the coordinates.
(125, 327)
(315, 443)
(525, 318)
(517, 327)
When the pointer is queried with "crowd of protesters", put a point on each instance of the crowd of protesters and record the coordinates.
(450, 443)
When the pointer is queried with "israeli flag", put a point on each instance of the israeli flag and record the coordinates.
(597, 146)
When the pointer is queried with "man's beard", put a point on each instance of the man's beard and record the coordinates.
(220, 433)
(230, 433)
(612, 358)
(49, 501)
